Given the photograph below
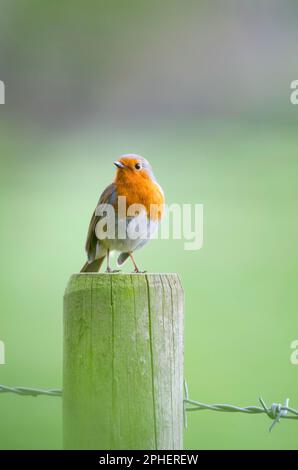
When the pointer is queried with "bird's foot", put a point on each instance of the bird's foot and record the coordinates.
(109, 270)
(137, 271)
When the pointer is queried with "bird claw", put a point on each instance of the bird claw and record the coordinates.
(137, 271)
(109, 270)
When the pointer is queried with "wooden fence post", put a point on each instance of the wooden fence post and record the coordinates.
(123, 362)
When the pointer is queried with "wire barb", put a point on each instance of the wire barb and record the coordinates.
(185, 388)
(276, 411)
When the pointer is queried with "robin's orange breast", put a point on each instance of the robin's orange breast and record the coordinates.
(144, 191)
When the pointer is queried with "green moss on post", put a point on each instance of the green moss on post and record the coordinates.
(123, 362)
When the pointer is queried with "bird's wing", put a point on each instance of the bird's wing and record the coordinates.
(109, 196)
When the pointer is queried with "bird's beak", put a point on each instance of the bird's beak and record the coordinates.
(119, 164)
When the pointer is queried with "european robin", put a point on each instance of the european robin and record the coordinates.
(132, 225)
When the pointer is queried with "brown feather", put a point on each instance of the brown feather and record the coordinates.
(92, 267)
(91, 241)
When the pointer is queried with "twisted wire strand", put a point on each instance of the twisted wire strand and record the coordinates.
(34, 392)
(197, 406)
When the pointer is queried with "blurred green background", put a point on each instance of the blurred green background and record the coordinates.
(202, 90)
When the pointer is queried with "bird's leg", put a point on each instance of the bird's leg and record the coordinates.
(109, 270)
(134, 263)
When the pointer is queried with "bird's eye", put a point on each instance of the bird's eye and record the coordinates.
(138, 166)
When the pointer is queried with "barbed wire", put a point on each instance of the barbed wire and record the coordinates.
(34, 392)
(275, 412)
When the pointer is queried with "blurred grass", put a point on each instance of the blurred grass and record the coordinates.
(241, 287)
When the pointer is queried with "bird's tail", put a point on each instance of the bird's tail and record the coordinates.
(92, 267)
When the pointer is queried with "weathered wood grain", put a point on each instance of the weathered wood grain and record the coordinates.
(123, 362)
